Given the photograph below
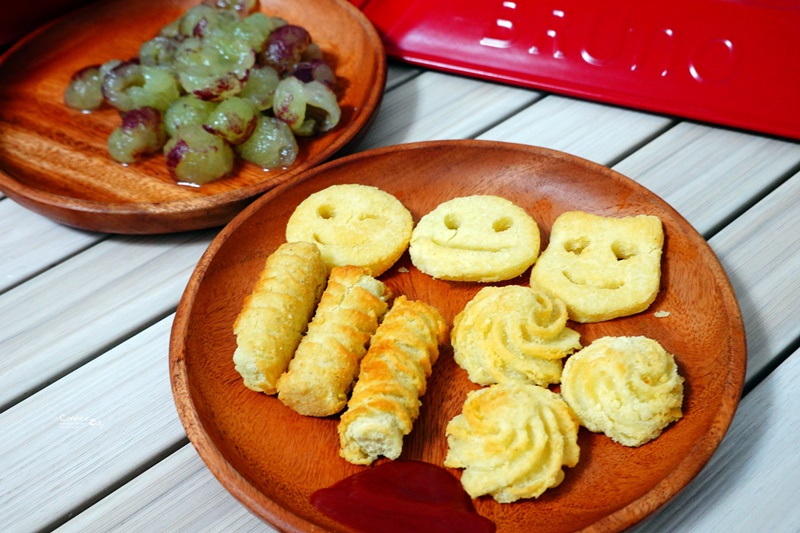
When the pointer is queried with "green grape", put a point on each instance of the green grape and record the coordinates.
(106, 67)
(257, 29)
(307, 108)
(198, 19)
(118, 81)
(130, 85)
(159, 90)
(141, 133)
(264, 23)
(196, 156)
(260, 86)
(159, 52)
(234, 120)
(271, 145)
(242, 7)
(85, 89)
(289, 103)
(187, 110)
(323, 107)
(212, 68)
(172, 30)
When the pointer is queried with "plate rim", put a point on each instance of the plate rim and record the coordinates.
(59, 207)
(658, 496)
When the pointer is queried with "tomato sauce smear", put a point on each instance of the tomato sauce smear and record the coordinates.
(402, 496)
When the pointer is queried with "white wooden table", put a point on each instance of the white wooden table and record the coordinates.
(90, 437)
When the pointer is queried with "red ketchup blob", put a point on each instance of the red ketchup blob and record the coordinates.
(402, 496)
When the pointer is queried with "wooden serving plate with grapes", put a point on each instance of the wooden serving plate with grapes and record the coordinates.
(54, 160)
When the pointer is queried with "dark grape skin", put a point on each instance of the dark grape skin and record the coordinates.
(285, 47)
(146, 117)
(228, 83)
(142, 132)
(315, 70)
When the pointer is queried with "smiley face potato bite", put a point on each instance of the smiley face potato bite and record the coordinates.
(602, 267)
(475, 238)
(353, 224)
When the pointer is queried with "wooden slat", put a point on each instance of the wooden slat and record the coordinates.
(435, 106)
(750, 484)
(709, 174)
(398, 73)
(91, 301)
(758, 250)
(177, 494)
(31, 243)
(76, 439)
(593, 131)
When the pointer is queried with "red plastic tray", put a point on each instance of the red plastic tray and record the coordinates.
(729, 62)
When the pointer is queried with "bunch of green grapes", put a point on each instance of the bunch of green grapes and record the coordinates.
(221, 80)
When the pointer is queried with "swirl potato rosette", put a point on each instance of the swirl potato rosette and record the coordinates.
(626, 387)
(512, 439)
(513, 332)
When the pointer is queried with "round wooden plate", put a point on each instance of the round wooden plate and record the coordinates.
(54, 160)
(272, 459)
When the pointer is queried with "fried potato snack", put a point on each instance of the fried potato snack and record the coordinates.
(393, 376)
(512, 439)
(475, 238)
(276, 313)
(513, 332)
(327, 360)
(353, 225)
(625, 387)
(602, 267)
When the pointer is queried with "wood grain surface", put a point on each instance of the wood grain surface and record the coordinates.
(272, 459)
(54, 160)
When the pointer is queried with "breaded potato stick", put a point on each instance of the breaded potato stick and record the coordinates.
(393, 376)
(326, 362)
(276, 314)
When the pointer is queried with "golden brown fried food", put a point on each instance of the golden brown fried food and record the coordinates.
(353, 224)
(625, 387)
(512, 439)
(602, 267)
(513, 332)
(326, 362)
(475, 238)
(276, 313)
(393, 376)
